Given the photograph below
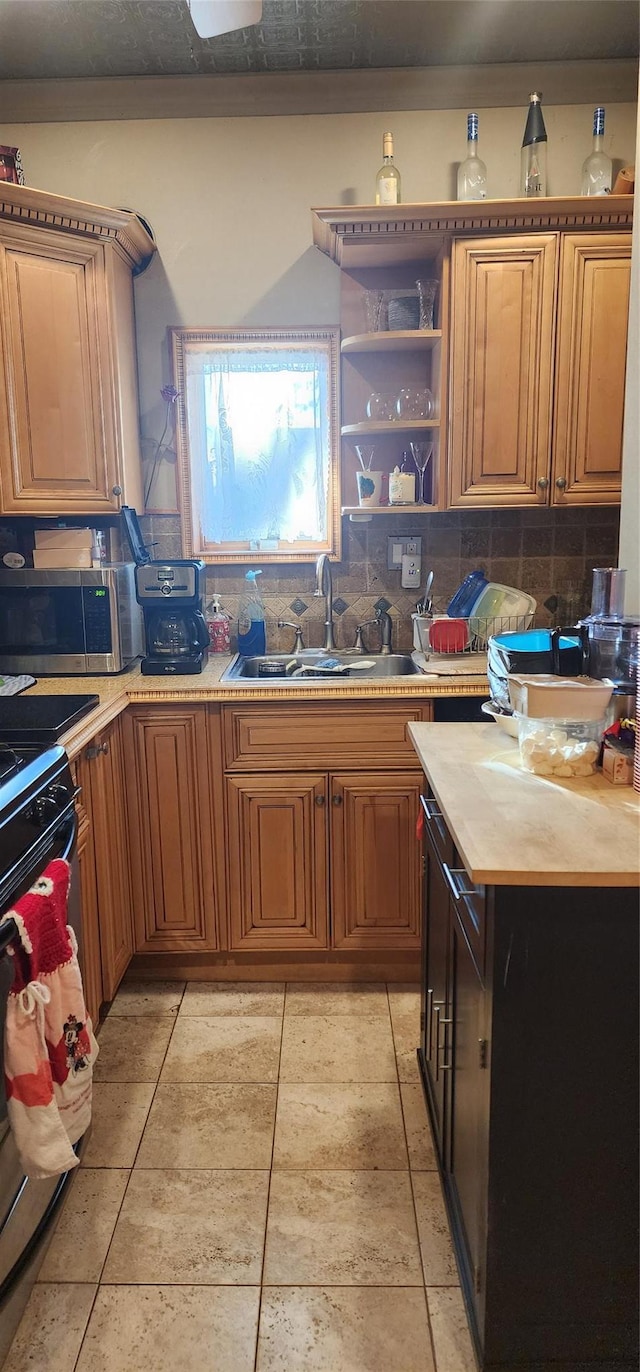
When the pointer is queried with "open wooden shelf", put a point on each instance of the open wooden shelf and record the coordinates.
(392, 340)
(388, 426)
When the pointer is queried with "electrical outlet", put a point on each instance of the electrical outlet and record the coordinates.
(410, 572)
(398, 547)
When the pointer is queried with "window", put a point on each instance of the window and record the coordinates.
(258, 443)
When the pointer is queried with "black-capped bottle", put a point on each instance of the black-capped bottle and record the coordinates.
(533, 159)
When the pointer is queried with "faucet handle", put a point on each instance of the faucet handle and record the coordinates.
(297, 628)
(359, 646)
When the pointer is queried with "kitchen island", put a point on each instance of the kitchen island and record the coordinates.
(529, 1048)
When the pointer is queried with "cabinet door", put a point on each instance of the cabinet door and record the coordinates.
(590, 375)
(59, 453)
(465, 1055)
(435, 990)
(89, 943)
(375, 860)
(172, 830)
(111, 840)
(277, 861)
(502, 363)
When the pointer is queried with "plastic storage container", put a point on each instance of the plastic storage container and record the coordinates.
(559, 747)
(559, 697)
(466, 595)
(538, 650)
(497, 602)
(252, 637)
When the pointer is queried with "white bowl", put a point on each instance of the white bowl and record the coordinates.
(508, 723)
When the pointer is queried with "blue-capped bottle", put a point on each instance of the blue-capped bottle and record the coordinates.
(252, 638)
(597, 169)
(472, 173)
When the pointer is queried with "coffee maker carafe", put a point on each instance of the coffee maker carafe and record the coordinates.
(176, 635)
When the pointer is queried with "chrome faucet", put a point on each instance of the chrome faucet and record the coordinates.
(385, 624)
(324, 586)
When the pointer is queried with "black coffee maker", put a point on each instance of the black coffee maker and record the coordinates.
(170, 594)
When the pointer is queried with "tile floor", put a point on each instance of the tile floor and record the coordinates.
(259, 1193)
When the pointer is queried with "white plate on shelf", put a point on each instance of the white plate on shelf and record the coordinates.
(508, 723)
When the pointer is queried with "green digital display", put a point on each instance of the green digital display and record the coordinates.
(99, 593)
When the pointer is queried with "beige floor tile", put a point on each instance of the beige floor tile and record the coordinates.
(132, 1047)
(334, 998)
(352, 1125)
(49, 1335)
(404, 998)
(438, 1260)
(197, 1228)
(83, 1232)
(343, 1329)
(406, 1037)
(224, 1048)
(163, 1329)
(197, 1124)
(451, 1338)
(148, 998)
(416, 1122)
(341, 1229)
(119, 1112)
(337, 1048)
(233, 998)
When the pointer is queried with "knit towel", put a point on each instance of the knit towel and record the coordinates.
(49, 1044)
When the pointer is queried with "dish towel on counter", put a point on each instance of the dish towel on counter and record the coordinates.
(49, 1044)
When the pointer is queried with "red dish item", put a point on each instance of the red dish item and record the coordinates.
(449, 635)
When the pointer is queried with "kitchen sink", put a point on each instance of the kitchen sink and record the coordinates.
(258, 668)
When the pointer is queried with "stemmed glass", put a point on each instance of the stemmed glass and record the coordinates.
(421, 454)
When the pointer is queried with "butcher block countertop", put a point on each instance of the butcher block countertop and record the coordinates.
(132, 688)
(512, 828)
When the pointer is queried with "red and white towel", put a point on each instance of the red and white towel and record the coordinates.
(50, 1048)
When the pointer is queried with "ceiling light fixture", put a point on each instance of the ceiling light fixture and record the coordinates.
(212, 17)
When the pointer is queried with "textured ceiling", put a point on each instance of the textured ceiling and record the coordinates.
(75, 38)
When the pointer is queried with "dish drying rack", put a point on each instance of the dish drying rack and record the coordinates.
(481, 629)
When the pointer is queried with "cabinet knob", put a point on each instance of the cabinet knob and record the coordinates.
(543, 483)
(561, 482)
(116, 490)
(336, 800)
(94, 750)
(320, 800)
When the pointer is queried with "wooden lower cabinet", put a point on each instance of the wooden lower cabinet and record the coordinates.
(375, 876)
(89, 943)
(171, 781)
(106, 772)
(277, 861)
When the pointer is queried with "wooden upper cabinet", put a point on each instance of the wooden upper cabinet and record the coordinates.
(69, 433)
(277, 861)
(501, 369)
(172, 829)
(590, 369)
(375, 860)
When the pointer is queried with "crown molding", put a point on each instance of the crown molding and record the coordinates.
(315, 92)
(61, 214)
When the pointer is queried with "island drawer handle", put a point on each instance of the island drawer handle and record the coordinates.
(457, 887)
(430, 814)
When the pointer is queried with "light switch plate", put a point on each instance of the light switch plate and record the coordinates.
(408, 546)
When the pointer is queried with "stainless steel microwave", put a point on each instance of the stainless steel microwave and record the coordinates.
(69, 622)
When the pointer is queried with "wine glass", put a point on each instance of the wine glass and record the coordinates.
(421, 454)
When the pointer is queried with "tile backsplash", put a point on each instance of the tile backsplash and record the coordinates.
(549, 553)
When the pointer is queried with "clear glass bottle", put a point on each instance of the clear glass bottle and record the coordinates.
(388, 178)
(472, 173)
(597, 168)
(533, 159)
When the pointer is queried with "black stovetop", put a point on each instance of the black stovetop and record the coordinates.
(40, 719)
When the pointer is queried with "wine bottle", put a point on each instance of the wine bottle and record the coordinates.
(388, 178)
(472, 173)
(597, 168)
(533, 159)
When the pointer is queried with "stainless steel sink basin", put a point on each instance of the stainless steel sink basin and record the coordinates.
(258, 668)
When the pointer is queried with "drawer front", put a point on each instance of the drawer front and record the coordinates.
(436, 828)
(470, 903)
(308, 736)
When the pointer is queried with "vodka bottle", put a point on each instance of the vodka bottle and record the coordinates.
(472, 173)
(597, 169)
(533, 160)
(388, 178)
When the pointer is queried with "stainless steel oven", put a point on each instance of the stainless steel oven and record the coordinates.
(37, 823)
(69, 622)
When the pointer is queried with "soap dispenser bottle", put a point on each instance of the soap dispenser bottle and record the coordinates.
(252, 640)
